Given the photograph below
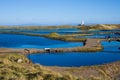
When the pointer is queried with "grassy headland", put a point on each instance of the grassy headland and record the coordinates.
(101, 27)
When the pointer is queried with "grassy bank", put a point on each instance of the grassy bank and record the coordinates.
(78, 49)
(64, 38)
(109, 71)
(11, 69)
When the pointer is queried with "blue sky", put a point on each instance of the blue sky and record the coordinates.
(58, 12)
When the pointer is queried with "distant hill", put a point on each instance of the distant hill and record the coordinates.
(107, 26)
(85, 27)
(101, 27)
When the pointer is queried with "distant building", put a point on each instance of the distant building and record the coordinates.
(82, 23)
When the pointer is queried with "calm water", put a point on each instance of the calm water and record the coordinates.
(110, 53)
(100, 36)
(47, 31)
(64, 31)
(22, 41)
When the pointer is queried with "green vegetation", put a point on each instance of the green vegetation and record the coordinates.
(64, 38)
(54, 35)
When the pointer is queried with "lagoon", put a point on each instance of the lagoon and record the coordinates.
(23, 41)
(110, 53)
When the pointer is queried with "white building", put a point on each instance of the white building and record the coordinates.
(82, 23)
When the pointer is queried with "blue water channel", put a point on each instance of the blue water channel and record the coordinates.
(100, 36)
(46, 31)
(62, 31)
(22, 41)
(110, 53)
